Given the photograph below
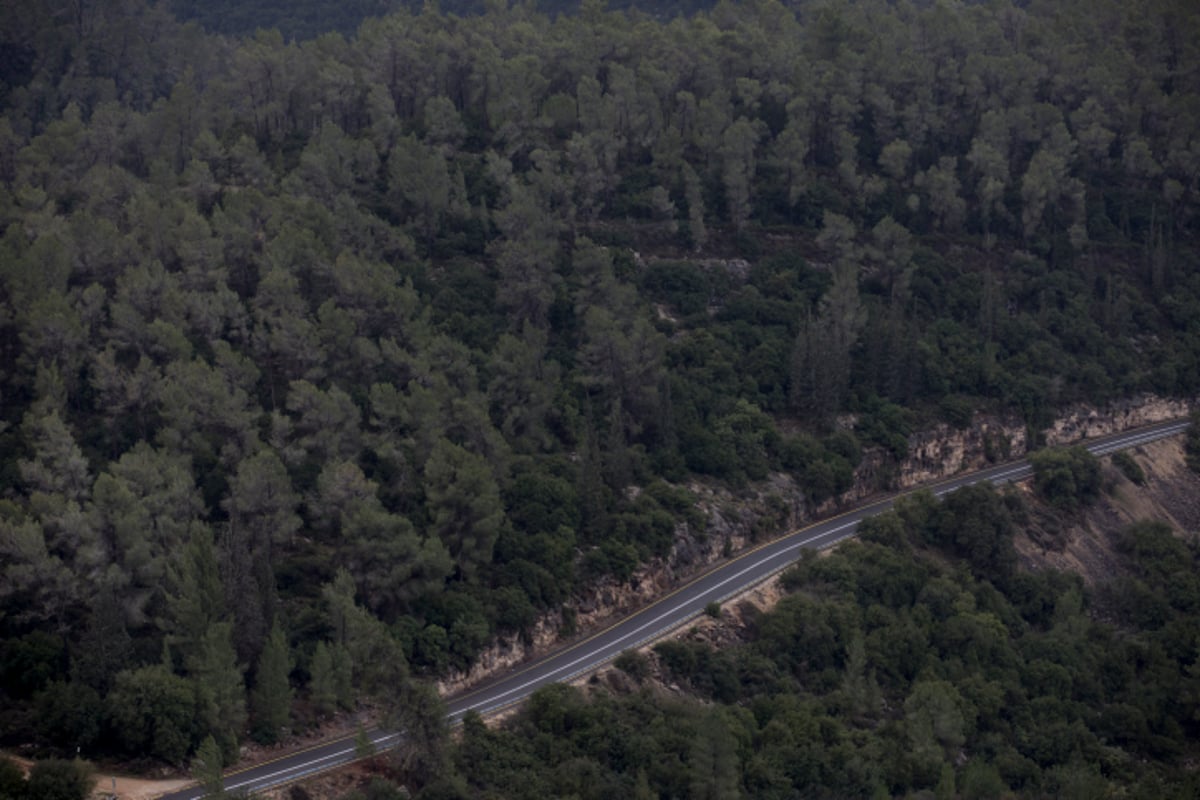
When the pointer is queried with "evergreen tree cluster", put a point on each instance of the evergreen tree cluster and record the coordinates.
(322, 361)
(50, 779)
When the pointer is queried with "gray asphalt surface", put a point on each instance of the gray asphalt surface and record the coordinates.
(649, 623)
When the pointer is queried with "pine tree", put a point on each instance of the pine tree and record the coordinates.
(206, 768)
(713, 760)
(322, 685)
(104, 648)
(219, 687)
(199, 598)
(642, 789)
(272, 697)
(343, 676)
(464, 503)
(694, 193)
(363, 746)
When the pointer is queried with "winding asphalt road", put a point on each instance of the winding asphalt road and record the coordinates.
(652, 622)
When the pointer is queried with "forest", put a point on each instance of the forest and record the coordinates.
(325, 359)
(309, 19)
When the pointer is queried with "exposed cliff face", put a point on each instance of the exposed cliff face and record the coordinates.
(778, 504)
(943, 451)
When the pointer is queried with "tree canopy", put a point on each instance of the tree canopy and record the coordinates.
(320, 353)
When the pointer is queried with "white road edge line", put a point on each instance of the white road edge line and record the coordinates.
(308, 764)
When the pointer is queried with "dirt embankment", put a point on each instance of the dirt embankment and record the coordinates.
(1086, 543)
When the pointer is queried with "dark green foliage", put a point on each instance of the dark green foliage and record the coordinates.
(1191, 445)
(685, 288)
(281, 313)
(28, 663)
(1162, 585)
(974, 523)
(323, 684)
(823, 469)
(1129, 468)
(207, 768)
(59, 779)
(416, 708)
(12, 780)
(154, 712)
(70, 714)
(1068, 477)
(633, 664)
(885, 424)
(709, 674)
(271, 698)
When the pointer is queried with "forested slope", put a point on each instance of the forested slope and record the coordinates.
(917, 661)
(322, 362)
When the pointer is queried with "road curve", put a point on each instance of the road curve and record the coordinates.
(649, 623)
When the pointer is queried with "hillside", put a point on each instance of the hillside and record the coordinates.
(831, 681)
(1085, 544)
(326, 364)
(1088, 544)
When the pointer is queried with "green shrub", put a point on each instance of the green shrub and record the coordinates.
(1067, 478)
(59, 779)
(1129, 468)
(12, 779)
(633, 664)
(1191, 445)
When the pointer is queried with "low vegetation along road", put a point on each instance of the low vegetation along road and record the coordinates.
(651, 622)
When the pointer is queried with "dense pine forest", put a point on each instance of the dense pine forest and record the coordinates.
(324, 359)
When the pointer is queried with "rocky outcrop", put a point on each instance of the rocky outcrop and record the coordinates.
(1086, 422)
(943, 451)
(735, 521)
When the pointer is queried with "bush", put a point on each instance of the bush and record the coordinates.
(685, 287)
(12, 779)
(885, 424)
(1129, 468)
(1191, 445)
(59, 779)
(633, 664)
(956, 410)
(1067, 478)
(973, 523)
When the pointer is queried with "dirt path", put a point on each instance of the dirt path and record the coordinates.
(122, 787)
(134, 788)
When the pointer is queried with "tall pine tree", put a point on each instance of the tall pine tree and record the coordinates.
(271, 700)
